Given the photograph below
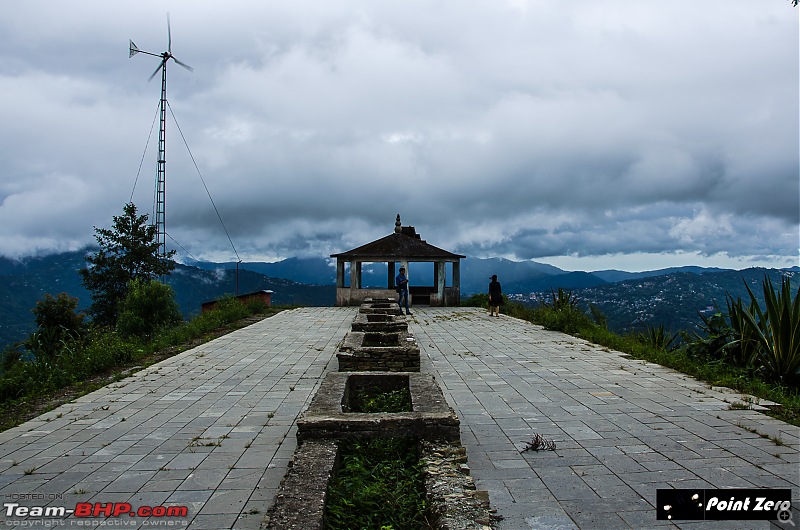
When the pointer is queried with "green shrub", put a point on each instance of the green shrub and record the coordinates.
(228, 309)
(560, 313)
(567, 319)
(147, 307)
(715, 335)
(256, 306)
(45, 343)
(598, 316)
(225, 312)
(476, 300)
(10, 356)
(103, 350)
(518, 310)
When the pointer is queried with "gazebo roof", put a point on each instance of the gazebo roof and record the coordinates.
(405, 243)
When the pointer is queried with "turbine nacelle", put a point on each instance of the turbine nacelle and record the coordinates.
(165, 56)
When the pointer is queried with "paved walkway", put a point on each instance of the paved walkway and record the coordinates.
(623, 428)
(212, 428)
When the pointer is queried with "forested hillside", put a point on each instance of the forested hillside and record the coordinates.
(673, 300)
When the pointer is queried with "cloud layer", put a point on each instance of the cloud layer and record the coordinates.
(526, 129)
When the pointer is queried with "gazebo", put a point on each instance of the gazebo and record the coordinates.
(404, 246)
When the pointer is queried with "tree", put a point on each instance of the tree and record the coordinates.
(59, 312)
(57, 322)
(128, 251)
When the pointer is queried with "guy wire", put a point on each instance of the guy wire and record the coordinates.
(203, 181)
(149, 135)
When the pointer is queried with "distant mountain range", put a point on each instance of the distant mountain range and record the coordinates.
(671, 296)
(313, 271)
(674, 299)
(515, 276)
(475, 272)
(23, 283)
(613, 275)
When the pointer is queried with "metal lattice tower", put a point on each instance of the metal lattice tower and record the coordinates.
(161, 181)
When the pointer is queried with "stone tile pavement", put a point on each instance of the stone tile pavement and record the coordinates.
(212, 429)
(623, 428)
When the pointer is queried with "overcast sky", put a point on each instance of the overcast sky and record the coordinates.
(595, 134)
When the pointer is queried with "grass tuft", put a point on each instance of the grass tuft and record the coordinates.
(379, 484)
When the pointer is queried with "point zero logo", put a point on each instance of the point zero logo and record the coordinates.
(725, 504)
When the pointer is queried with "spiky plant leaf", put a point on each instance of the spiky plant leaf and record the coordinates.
(777, 329)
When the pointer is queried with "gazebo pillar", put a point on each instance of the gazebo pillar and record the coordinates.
(404, 264)
(355, 275)
(390, 275)
(339, 273)
(439, 276)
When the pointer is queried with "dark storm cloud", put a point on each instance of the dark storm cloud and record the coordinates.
(522, 128)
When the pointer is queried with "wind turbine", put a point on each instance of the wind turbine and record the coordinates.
(161, 184)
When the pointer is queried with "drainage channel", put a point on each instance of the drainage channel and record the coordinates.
(379, 363)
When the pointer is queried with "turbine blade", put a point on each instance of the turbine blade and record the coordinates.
(184, 65)
(160, 66)
(169, 36)
(133, 49)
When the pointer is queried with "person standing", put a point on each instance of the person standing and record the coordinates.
(495, 296)
(401, 284)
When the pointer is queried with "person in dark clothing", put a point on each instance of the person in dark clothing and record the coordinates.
(495, 296)
(401, 283)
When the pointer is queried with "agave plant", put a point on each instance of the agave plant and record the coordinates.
(657, 337)
(563, 300)
(743, 350)
(777, 329)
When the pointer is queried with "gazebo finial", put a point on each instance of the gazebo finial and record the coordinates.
(398, 227)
